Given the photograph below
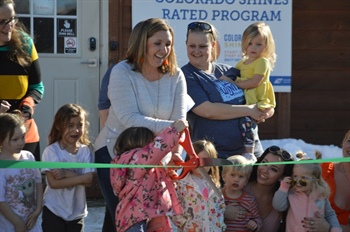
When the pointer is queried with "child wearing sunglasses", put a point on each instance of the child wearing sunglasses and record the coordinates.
(306, 194)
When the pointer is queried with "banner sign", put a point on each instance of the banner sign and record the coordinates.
(230, 18)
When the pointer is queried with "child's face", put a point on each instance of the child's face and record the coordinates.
(16, 143)
(256, 47)
(302, 175)
(202, 154)
(235, 180)
(74, 130)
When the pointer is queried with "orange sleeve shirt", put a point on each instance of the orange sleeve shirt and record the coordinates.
(328, 175)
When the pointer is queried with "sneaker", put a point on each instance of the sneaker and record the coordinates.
(250, 157)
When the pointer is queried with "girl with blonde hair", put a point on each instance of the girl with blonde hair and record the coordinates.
(203, 209)
(306, 194)
(259, 57)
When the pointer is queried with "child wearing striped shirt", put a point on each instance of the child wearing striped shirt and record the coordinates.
(235, 178)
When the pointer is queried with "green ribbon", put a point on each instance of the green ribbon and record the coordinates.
(53, 165)
(311, 161)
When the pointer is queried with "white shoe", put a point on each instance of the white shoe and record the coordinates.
(250, 157)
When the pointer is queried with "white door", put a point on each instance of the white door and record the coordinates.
(67, 38)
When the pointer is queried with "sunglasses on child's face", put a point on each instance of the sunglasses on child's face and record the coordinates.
(201, 25)
(301, 182)
(286, 156)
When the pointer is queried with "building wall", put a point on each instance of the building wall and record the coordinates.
(320, 100)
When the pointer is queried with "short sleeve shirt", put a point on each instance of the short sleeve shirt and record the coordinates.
(201, 86)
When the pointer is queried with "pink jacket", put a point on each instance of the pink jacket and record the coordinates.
(145, 193)
(301, 205)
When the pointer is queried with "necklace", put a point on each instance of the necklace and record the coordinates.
(153, 90)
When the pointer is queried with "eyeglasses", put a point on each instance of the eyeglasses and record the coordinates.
(13, 20)
(301, 182)
(286, 156)
(202, 25)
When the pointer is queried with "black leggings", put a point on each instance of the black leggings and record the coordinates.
(53, 223)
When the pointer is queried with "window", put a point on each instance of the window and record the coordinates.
(52, 24)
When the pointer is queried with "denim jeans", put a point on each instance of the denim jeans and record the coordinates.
(102, 156)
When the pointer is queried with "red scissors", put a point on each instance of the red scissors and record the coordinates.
(198, 163)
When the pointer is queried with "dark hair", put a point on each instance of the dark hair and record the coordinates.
(131, 138)
(287, 171)
(8, 123)
(288, 168)
(61, 121)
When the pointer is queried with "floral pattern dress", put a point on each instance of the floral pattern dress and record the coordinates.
(145, 193)
(203, 209)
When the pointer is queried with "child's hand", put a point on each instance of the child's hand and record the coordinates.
(225, 78)
(58, 173)
(5, 106)
(251, 225)
(265, 114)
(285, 182)
(180, 125)
(235, 212)
(32, 218)
(176, 156)
(87, 178)
(255, 113)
